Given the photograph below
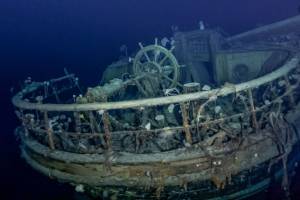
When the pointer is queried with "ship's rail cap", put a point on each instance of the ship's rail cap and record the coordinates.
(291, 64)
(282, 27)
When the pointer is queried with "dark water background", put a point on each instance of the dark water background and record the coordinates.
(38, 38)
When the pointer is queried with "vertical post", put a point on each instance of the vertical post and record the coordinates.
(91, 116)
(252, 109)
(107, 137)
(190, 88)
(140, 88)
(49, 131)
(289, 90)
(77, 122)
(21, 116)
(46, 89)
(107, 133)
(188, 136)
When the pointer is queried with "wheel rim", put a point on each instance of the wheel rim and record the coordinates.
(157, 60)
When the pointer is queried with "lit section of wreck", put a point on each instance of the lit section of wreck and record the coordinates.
(199, 116)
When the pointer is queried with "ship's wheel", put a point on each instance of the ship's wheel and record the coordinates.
(157, 61)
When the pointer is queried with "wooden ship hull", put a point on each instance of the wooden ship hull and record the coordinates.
(193, 177)
(225, 142)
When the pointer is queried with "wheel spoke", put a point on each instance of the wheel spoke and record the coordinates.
(140, 66)
(171, 80)
(144, 52)
(156, 55)
(163, 60)
(146, 55)
(168, 68)
(168, 78)
(172, 49)
(156, 59)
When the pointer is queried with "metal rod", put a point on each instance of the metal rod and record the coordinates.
(62, 78)
(67, 74)
(55, 94)
(72, 79)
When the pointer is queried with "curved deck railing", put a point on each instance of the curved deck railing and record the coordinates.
(97, 127)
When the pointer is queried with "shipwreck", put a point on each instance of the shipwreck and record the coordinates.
(198, 116)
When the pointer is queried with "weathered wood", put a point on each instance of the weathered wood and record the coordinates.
(184, 113)
(292, 64)
(173, 129)
(92, 120)
(107, 133)
(289, 89)
(77, 122)
(191, 87)
(278, 28)
(49, 131)
(133, 164)
(252, 109)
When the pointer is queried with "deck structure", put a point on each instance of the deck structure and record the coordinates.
(176, 139)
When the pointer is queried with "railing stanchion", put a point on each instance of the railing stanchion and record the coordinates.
(77, 122)
(252, 109)
(188, 136)
(107, 133)
(290, 91)
(91, 118)
(107, 136)
(49, 131)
